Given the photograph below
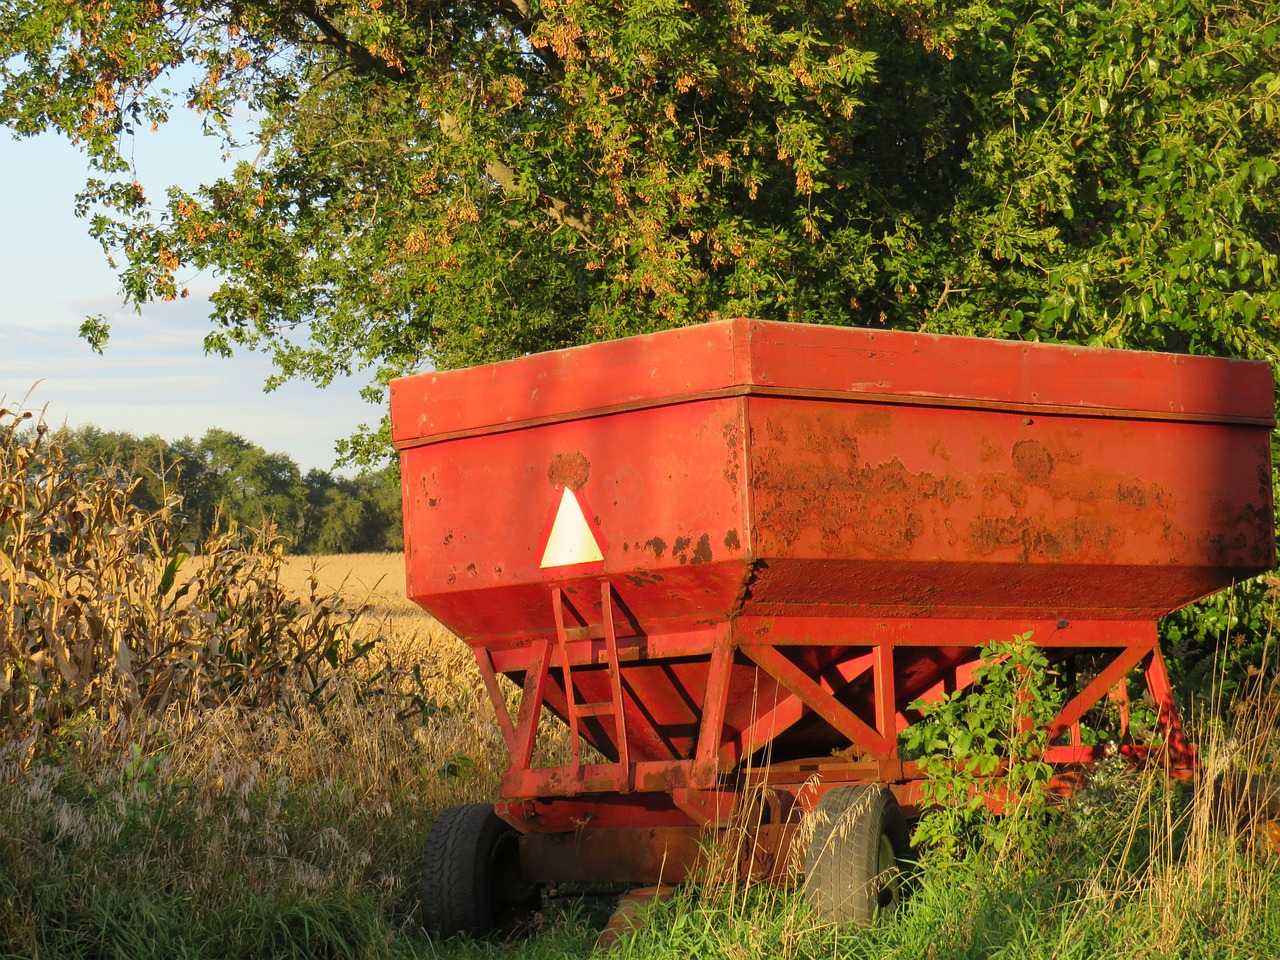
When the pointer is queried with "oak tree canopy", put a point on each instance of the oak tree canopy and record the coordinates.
(457, 181)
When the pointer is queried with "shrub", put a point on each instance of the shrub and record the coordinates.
(987, 741)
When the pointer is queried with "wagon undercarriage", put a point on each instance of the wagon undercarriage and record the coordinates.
(656, 788)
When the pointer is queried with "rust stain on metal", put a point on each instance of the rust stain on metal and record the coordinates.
(702, 552)
(731, 540)
(993, 486)
(657, 545)
(680, 549)
(1110, 487)
(1096, 509)
(1033, 461)
(642, 579)
(1035, 538)
(569, 470)
(1236, 535)
(1033, 500)
(877, 420)
(746, 584)
(811, 474)
(732, 433)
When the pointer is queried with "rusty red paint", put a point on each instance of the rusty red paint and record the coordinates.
(806, 529)
(664, 854)
(569, 470)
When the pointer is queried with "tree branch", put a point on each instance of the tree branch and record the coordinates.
(521, 7)
(505, 177)
(361, 56)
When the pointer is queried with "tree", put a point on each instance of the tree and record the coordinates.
(351, 515)
(149, 460)
(251, 486)
(451, 183)
(223, 477)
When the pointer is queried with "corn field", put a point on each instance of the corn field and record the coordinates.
(208, 724)
(105, 619)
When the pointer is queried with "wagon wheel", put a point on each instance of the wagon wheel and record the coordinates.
(1248, 806)
(471, 880)
(859, 855)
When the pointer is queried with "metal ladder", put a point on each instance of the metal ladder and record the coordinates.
(575, 710)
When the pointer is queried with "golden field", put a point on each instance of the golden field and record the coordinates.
(375, 578)
(375, 583)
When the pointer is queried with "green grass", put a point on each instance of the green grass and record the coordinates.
(94, 864)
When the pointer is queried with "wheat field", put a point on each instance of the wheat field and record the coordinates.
(375, 584)
(377, 578)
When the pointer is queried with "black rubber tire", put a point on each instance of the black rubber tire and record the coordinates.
(471, 874)
(859, 857)
(1242, 801)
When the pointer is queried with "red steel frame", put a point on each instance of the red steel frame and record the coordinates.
(697, 783)
(636, 839)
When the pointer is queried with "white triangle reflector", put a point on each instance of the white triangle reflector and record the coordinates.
(571, 540)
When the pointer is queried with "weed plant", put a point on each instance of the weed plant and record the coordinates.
(988, 741)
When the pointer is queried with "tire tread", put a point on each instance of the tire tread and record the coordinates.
(841, 868)
(454, 890)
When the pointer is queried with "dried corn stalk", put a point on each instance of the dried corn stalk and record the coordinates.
(98, 618)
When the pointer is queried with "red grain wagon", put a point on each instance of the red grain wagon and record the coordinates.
(729, 556)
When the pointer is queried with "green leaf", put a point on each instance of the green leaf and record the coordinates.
(171, 571)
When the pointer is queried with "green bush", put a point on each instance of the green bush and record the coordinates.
(987, 741)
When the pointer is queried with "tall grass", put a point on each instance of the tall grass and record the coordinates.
(1135, 866)
(194, 759)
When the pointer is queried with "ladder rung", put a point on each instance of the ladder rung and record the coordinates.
(594, 709)
(584, 633)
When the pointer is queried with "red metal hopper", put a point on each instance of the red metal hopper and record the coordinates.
(738, 551)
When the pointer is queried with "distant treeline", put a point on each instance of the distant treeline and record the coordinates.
(224, 478)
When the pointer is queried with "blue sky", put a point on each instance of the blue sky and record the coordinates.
(154, 376)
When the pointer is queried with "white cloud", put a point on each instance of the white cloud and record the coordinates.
(155, 376)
